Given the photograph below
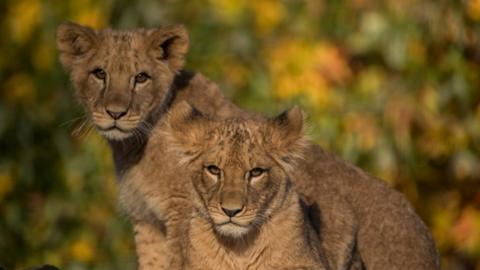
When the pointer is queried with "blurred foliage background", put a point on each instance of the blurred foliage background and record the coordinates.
(392, 86)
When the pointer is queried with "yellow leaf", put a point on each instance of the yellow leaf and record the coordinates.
(466, 231)
(362, 126)
(43, 57)
(235, 73)
(417, 51)
(268, 14)
(443, 216)
(473, 9)
(82, 250)
(228, 11)
(429, 99)
(91, 16)
(6, 184)
(23, 17)
(300, 68)
(370, 81)
(330, 62)
(20, 89)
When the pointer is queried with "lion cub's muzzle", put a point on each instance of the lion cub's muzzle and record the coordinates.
(116, 114)
(116, 122)
(232, 222)
(231, 219)
(232, 211)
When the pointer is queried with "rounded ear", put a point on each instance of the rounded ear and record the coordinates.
(170, 44)
(184, 131)
(289, 124)
(286, 137)
(182, 115)
(74, 41)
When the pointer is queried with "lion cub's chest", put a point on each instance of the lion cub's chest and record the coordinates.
(272, 250)
(154, 185)
(205, 251)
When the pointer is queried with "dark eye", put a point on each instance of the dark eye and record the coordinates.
(141, 77)
(256, 172)
(99, 73)
(213, 170)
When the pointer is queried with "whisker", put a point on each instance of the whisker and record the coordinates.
(88, 131)
(73, 120)
(79, 128)
(83, 129)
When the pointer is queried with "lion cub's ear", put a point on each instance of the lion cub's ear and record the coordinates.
(287, 138)
(74, 41)
(184, 130)
(169, 44)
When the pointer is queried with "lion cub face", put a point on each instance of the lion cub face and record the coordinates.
(121, 76)
(237, 181)
(239, 167)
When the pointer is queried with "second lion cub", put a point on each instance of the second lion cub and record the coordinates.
(246, 214)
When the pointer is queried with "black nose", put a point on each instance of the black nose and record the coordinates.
(116, 115)
(231, 212)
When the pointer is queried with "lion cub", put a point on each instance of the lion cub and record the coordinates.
(246, 214)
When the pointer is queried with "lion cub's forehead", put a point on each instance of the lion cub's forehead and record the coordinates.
(121, 47)
(123, 39)
(238, 132)
(238, 139)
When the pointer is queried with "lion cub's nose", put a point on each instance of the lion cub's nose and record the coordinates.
(231, 212)
(116, 115)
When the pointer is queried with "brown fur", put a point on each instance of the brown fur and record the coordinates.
(358, 216)
(123, 55)
(268, 227)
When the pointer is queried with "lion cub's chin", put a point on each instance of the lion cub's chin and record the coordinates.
(115, 134)
(232, 230)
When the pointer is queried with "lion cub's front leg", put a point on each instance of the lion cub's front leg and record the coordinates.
(151, 246)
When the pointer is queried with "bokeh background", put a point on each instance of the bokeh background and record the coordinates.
(393, 86)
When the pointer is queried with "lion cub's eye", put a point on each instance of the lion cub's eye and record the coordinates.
(141, 77)
(213, 169)
(99, 73)
(256, 172)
